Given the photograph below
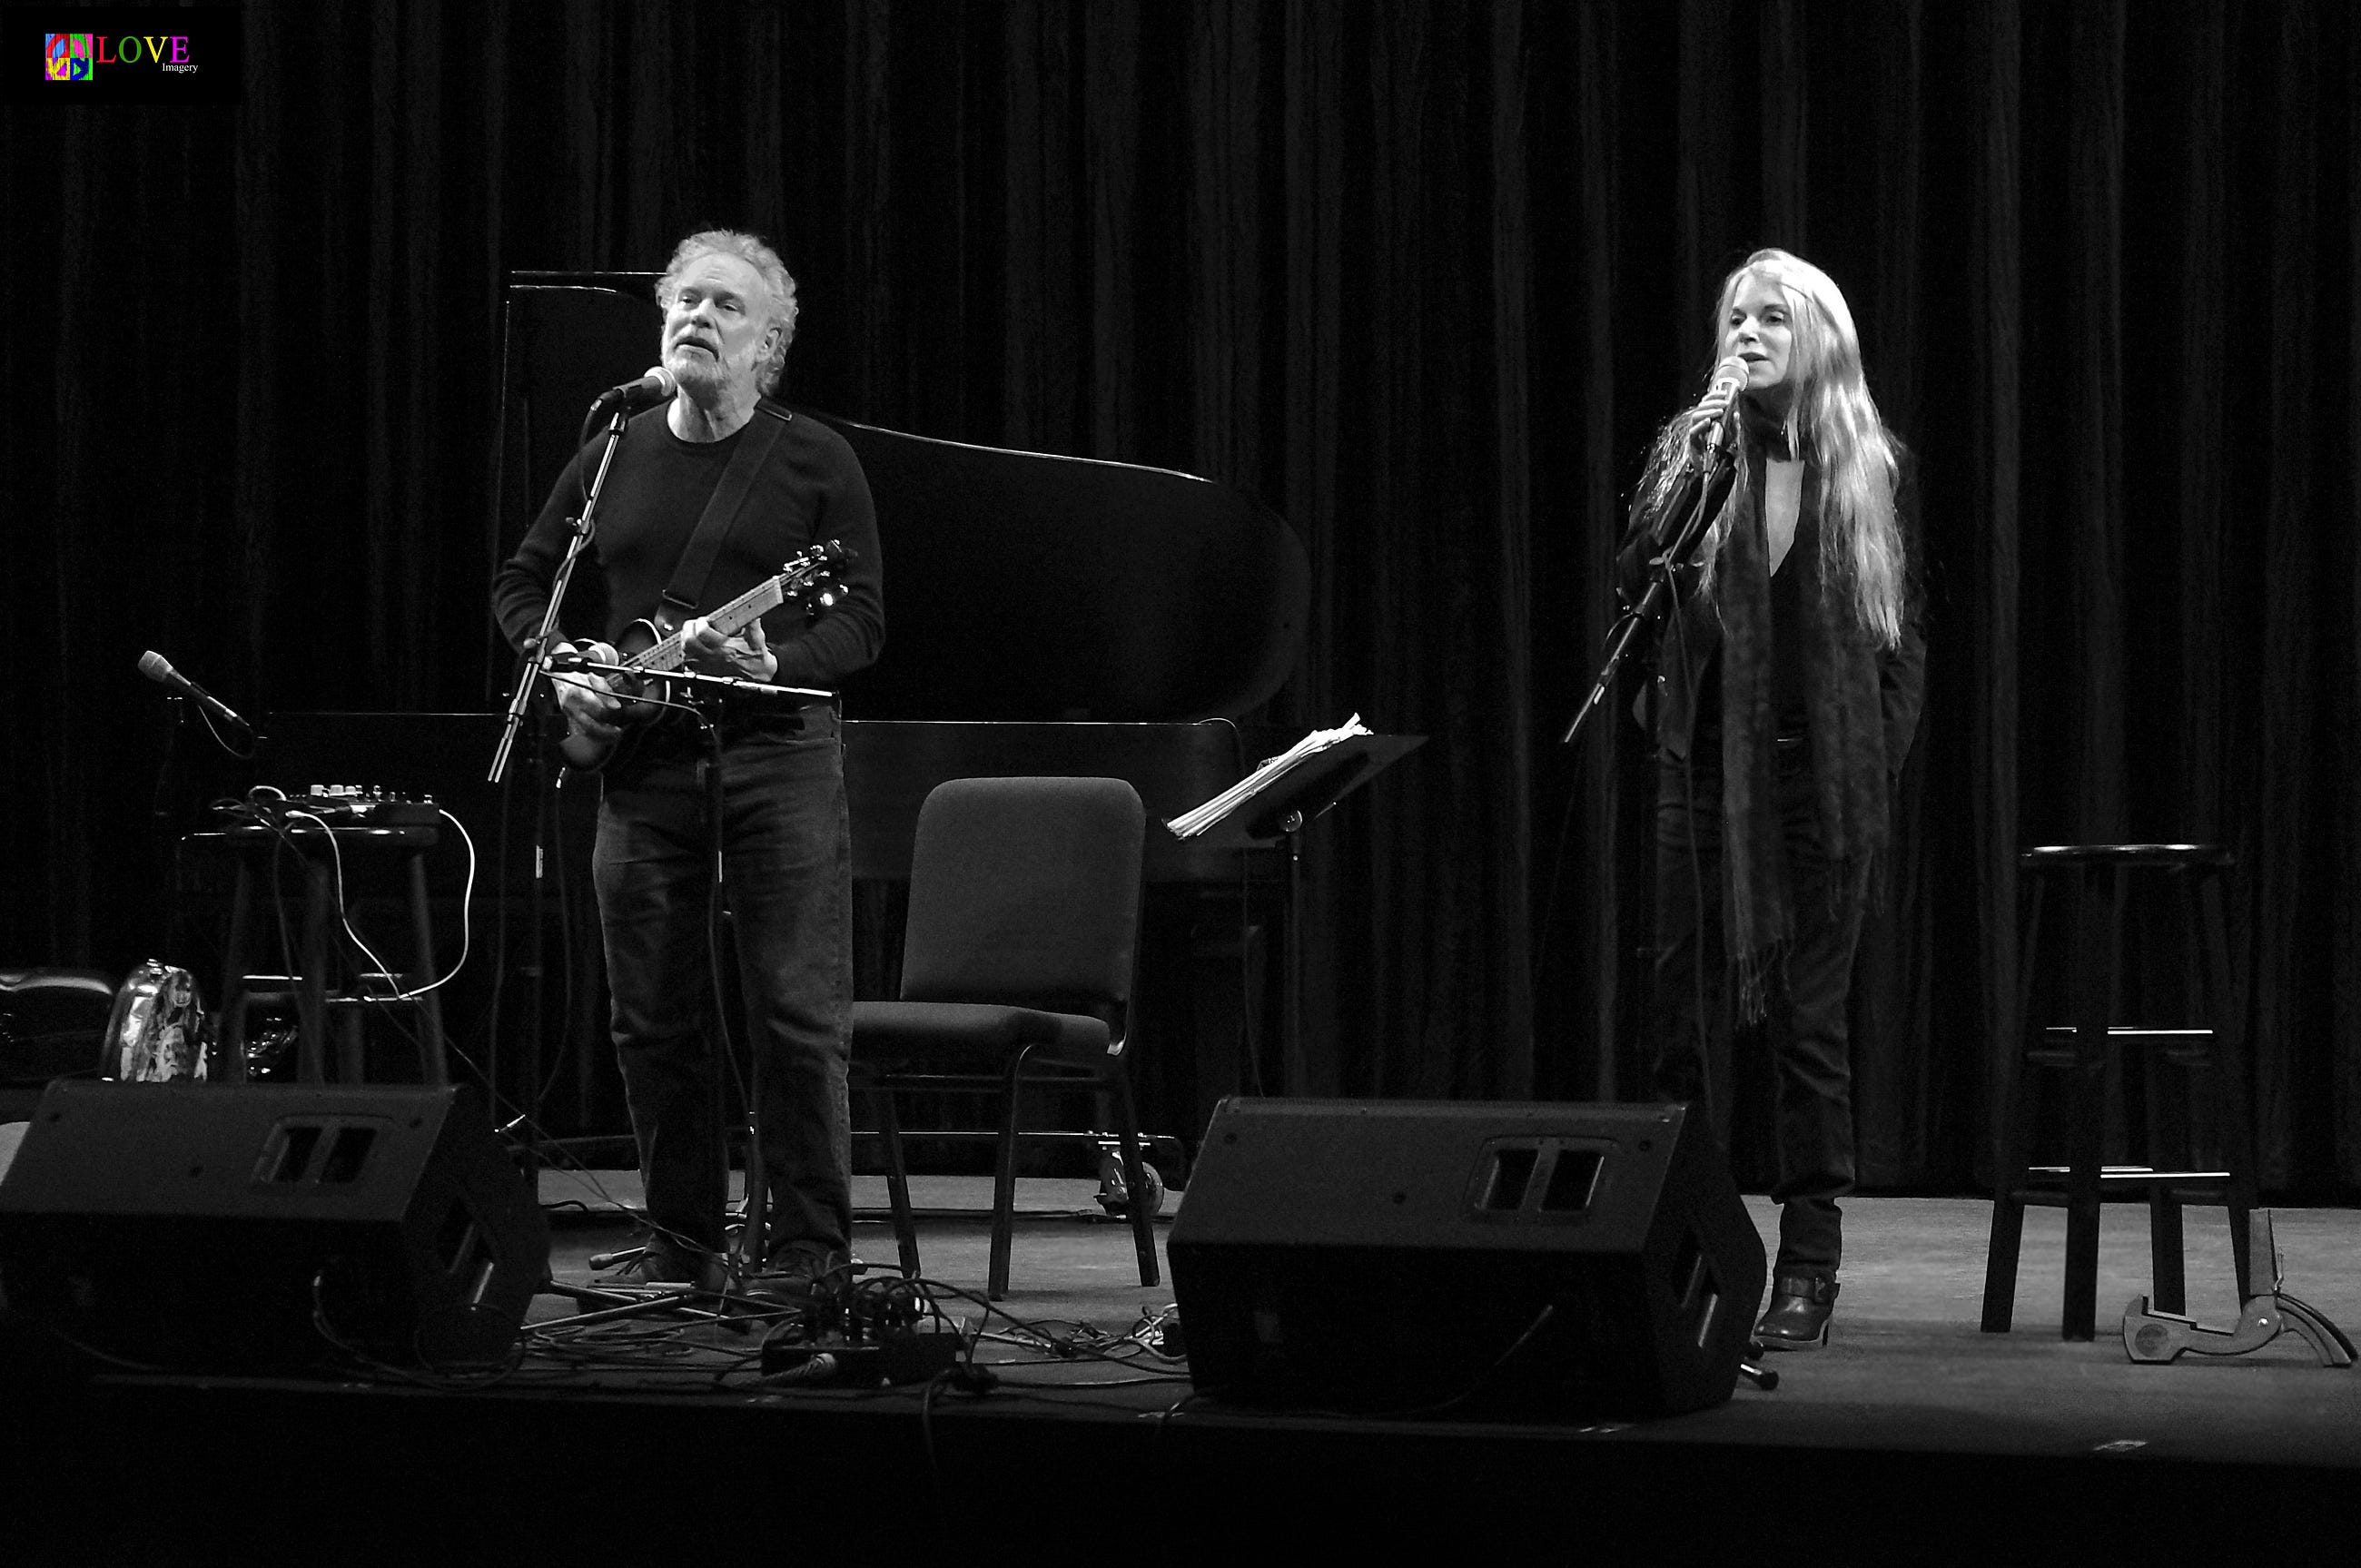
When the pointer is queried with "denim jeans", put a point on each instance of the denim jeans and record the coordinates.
(1805, 1029)
(788, 875)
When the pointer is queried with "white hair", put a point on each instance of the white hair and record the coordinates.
(776, 283)
(1834, 418)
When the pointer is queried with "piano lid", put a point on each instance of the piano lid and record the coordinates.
(1025, 587)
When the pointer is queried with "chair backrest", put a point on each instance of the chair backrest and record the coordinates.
(1025, 891)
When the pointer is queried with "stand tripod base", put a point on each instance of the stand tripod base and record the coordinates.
(601, 1306)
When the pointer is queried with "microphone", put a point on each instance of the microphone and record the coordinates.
(1700, 476)
(656, 387)
(157, 668)
(1729, 374)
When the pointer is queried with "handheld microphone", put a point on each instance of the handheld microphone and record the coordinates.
(1729, 376)
(1701, 476)
(656, 387)
(157, 668)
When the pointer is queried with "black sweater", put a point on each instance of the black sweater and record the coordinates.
(811, 489)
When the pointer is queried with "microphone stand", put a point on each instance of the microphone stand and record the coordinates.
(537, 654)
(1715, 468)
(528, 684)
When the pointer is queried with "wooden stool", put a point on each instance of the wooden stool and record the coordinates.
(2097, 879)
(322, 990)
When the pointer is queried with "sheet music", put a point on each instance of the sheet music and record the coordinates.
(1197, 819)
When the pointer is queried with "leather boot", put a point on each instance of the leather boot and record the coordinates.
(1798, 1318)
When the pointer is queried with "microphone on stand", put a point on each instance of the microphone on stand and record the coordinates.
(656, 387)
(157, 668)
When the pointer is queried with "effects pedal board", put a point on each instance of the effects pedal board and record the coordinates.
(338, 806)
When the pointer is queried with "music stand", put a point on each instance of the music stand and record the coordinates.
(1280, 812)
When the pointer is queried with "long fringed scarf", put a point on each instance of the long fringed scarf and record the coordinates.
(1848, 744)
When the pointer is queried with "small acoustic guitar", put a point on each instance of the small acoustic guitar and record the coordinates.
(651, 647)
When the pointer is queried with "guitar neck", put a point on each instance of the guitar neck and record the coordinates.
(730, 620)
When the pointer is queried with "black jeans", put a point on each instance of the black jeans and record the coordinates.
(1805, 1030)
(787, 867)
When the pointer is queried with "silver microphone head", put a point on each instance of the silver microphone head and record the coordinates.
(1728, 380)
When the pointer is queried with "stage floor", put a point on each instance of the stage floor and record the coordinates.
(1912, 1433)
(1906, 1365)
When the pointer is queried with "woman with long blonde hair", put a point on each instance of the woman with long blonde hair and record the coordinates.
(1789, 674)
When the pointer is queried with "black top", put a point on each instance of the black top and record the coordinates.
(1686, 706)
(1798, 576)
(810, 489)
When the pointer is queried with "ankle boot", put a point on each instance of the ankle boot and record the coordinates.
(1798, 1318)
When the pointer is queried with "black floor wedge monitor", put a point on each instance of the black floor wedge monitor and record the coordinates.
(1538, 1261)
(262, 1227)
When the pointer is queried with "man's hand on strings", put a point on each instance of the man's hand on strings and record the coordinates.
(747, 655)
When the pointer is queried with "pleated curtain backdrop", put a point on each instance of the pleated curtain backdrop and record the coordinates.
(1424, 276)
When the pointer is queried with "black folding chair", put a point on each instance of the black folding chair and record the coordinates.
(1017, 973)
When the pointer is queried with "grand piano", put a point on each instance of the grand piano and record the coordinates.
(1059, 615)
(1044, 615)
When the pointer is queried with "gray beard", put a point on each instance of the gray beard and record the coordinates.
(710, 381)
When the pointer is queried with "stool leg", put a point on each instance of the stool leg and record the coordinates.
(2166, 1251)
(2200, 1004)
(2100, 926)
(431, 1061)
(2001, 1255)
(2086, 1108)
(352, 1059)
(230, 1065)
(348, 1028)
(312, 986)
(2136, 1078)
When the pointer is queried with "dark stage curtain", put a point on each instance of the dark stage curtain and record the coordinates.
(1424, 276)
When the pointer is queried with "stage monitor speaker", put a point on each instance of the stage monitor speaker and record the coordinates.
(1535, 1260)
(211, 1227)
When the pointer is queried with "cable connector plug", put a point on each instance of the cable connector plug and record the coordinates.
(969, 1378)
(811, 1366)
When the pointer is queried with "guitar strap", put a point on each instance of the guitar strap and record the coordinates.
(694, 568)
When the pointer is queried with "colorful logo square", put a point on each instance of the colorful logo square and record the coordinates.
(66, 57)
